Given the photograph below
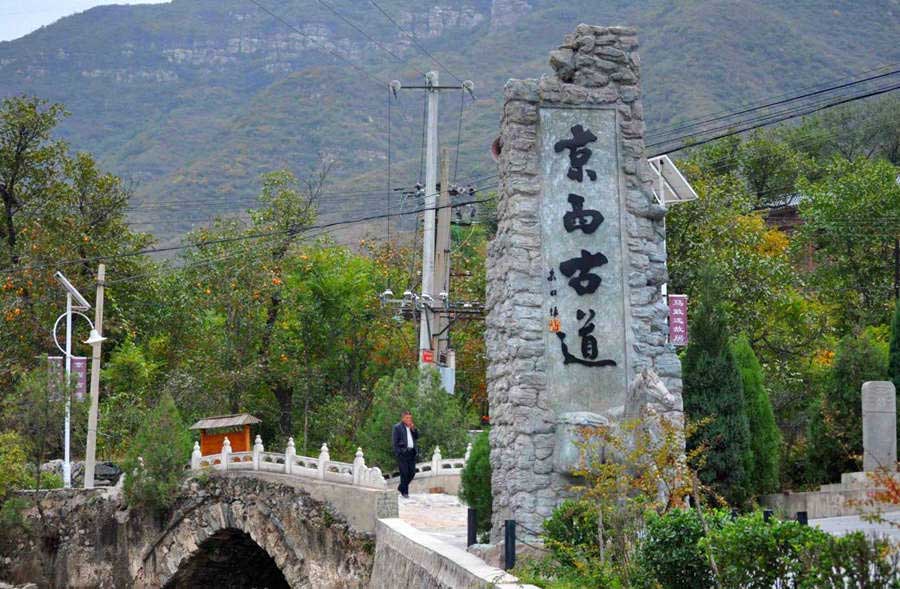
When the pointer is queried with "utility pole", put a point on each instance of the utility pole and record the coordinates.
(441, 283)
(95, 340)
(431, 145)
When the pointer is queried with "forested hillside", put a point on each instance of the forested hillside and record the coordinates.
(193, 100)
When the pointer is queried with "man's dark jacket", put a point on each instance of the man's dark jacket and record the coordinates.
(399, 441)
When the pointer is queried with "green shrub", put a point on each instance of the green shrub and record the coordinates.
(156, 459)
(13, 468)
(671, 553)
(854, 560)
(753, 554)
(475, 482)
(894, 349)
(572, 530)
(765, 439)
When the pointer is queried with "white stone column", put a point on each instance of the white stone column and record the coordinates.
(257, 452)
(226, 453)
(289, 453)
(324, 459)
(879, 417)
(468, 453)
(195, 457)
(359, 467)
(436, 461)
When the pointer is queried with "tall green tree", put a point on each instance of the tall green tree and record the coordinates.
(765, 439)
(835, 436)
(894, 350)
(851, 223)
(713, 391)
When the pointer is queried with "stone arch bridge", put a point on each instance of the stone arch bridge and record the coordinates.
(257, 519)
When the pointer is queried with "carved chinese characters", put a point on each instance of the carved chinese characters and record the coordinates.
(580, 225)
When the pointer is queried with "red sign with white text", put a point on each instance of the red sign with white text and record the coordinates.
(428, 356)
(678, 321)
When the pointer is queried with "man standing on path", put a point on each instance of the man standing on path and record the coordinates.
(406, 447)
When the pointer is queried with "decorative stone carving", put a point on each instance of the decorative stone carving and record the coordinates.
(552, 197)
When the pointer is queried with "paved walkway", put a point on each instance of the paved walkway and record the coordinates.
(442, 516)
(854, 523)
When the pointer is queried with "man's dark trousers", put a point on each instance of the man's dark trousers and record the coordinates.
(407, 463)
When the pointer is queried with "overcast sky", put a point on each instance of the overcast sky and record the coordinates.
(20, 17)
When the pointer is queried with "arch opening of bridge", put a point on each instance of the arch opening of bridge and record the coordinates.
(229, 559)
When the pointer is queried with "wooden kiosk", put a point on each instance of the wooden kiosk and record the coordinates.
(214, 430)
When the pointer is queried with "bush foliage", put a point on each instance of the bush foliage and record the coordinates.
(475, 483)
(765, 439)
(154, 467)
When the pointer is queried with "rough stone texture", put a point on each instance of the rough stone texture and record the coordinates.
(91, 539)
(879, 415)
(596, 67)
(407, 557)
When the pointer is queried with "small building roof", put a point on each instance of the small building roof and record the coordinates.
(225, 421)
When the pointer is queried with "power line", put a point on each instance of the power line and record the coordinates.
(415, 40)
(361, 31)
(290, 25)
(237, 238)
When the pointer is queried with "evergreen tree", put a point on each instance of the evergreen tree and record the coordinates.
(765, 439)
(894, 353)
(835, 436)
(475, 482)
(713, 391)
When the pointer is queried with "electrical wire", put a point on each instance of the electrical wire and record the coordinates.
(415, 40)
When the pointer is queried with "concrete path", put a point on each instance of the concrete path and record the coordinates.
(442, 516)
(854, 523)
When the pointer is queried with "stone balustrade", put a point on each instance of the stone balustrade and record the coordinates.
(321, 468)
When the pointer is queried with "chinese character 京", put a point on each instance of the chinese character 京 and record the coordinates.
(579, 153)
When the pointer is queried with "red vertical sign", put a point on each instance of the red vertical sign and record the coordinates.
(678, 323)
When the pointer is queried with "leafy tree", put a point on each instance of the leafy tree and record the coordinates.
(713, 391)
(436, 413)
(851, 223)
(13, 464)
(765, 439)
(154, 467)
(475, 482)
(835, 436)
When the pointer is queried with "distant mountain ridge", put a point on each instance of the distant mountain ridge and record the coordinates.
(193, 100)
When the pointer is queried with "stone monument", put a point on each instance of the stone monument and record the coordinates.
(879, 417)
(575, 310)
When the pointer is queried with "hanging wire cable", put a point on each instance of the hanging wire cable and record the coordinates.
(297, 30)
(390, 95)
(361, 31)
(415, 41)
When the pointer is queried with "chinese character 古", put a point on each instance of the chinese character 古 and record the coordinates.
(579, 218)
(578, 271)
(579, 154)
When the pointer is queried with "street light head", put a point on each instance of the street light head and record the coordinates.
(407, 294)
(95, 338)
(80, 303)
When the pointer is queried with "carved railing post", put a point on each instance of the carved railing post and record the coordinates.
(289, 454)
(195, 457)
(468, 453)
(436, 461)
(359, 467)
(226, 453)
(324, 459)
(257, 452)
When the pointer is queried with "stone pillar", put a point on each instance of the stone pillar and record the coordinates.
(879, 416)
(575, 310)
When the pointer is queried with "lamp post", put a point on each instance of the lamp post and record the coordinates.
(80, 304)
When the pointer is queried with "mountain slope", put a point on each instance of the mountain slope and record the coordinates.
(192, 100)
